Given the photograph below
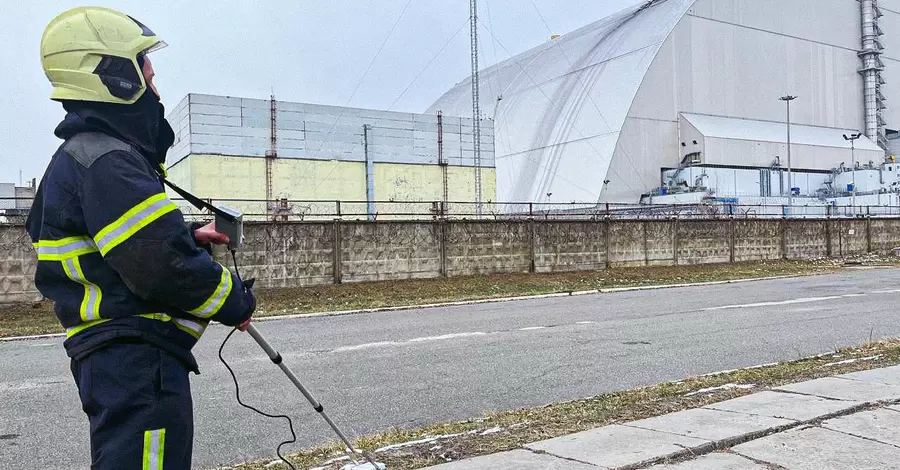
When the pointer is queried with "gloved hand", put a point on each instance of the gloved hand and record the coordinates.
(207, 235)
(248, 292)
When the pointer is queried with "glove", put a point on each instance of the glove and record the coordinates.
(248, 292)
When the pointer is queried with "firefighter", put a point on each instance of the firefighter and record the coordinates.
(133, 284)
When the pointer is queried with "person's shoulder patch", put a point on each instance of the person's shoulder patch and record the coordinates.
(87, 147)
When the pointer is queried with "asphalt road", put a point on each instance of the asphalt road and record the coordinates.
(375, 371)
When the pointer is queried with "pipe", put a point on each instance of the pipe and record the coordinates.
(370, 174)
(871, 69)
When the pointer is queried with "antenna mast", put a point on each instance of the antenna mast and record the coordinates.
(476, 111)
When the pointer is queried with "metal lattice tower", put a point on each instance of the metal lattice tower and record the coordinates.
(872, 50)
(271, 155)
(476, 108)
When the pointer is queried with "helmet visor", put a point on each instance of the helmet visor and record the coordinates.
(159, 45)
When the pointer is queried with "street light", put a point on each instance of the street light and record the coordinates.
(787, 99)
(852, 138)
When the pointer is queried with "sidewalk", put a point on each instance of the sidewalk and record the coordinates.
(842, 422)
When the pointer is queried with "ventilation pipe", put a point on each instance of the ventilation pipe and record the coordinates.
(872, 49)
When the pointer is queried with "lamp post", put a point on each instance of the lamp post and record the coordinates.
(852, 138)
(787, 99)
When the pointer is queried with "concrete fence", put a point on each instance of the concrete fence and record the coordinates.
(313, 253)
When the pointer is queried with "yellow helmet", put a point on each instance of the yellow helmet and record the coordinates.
(92, 54)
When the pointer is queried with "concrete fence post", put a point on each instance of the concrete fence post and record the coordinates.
(531, 245)
(442, 246)
(336, 259)
(646, 243)
(607, 234)
(841, 237)
(829, 251)
(731, 241)
(675, 241)
(784, 228)
(868, 234)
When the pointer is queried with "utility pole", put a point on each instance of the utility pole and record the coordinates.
(476, 111)
(787, 99)
(852, 138)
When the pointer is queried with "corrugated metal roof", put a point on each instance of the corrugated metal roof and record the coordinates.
(768, 131)
(564, 103)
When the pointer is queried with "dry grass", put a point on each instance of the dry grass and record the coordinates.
(515, 428)
(419, 292)
(33, 319)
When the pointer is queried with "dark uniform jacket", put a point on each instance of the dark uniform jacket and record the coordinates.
(114, 253)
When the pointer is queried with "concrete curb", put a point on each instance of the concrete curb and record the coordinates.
(520, 298)
(463, 303)
(698, 284)
(32, 337)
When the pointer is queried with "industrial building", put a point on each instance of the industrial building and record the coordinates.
(313, 161)
(681, 100)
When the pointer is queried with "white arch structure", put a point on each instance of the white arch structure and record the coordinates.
(594, 115)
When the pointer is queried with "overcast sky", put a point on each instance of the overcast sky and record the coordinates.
(307, 51)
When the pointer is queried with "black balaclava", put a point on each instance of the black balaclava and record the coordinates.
(142, 124)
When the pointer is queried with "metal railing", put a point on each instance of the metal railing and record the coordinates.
(15, 210)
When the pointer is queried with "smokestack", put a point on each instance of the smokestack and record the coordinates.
(871, 72)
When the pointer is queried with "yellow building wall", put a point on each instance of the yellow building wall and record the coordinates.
(225, 177)
(221, 177)
(313, 180)
(181, 175)
(400, 182)
(424, 183)
(461, 181)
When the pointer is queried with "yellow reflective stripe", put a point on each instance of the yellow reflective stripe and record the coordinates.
(192, 328)
(154, 449)
(90, 305)
(70, 332)
(132, 221)
(62, 241)
(63, 249)
(156, 316)
(215, 302)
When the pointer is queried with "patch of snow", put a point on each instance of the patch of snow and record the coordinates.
(335, 460)
(446, 337)
(730, 371)
(491, 431)
(719, 388)
(274, 463)
(436, 448)
(851, 361)
(427, 440)
(365, 466)
(381, 344)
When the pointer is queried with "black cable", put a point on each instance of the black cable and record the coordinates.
(237, 271)
(237, 388)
